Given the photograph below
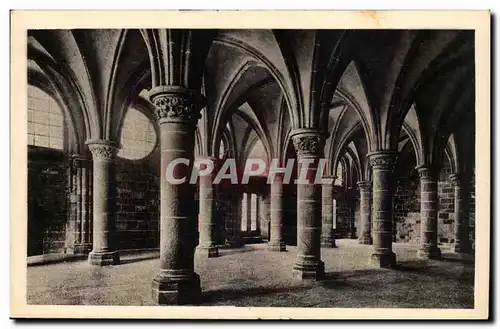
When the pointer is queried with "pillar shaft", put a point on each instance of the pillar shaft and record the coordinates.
(86, 240)
(308, 265)
(276, 240)
(104, 203)
(248, 213)
(177, 110)
(73, 232)
(257, 215)
(206, 219)
(428, 213)
(461, 228)
(220, 217)
(264, 215)
(79, 239)
(327, 238)
(382, 163)
(365, 212)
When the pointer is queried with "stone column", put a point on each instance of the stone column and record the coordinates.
(87, 186)
(104, 203)
(365, 212)
(428, 213)
(79, 230)
(264, 216)
(382, 163)
(220, 218)
(334, 207)
(276, 240)
(462, 241)
(327, 238)
(207, 225)
(248, 213)
(74, 186)
(308, 265)
(257, 211)
(177, 111)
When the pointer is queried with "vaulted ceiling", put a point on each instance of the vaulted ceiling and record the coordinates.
(365, 90)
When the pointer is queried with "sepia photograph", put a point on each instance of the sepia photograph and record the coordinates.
(246, 165)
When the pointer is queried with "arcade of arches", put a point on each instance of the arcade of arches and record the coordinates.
(392, 112)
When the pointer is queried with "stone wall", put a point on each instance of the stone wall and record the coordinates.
(264, 216)
(344, 209)
(472, 211)
(407, 209)
(137, 202)
(357, 220)
(446, 199)
(47, 200)
(290, 214)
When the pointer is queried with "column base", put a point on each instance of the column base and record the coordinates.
(462, 249)
(81, 249)
(177, 289)
(429, 253)
(387, 260)
(365, 239)
(328, 242)
(309, 271)
(208, 252)
(276, 246)
(104, 258)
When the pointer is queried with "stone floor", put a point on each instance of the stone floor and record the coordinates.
(253, 276)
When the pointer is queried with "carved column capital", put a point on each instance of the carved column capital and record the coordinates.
(175, 104)
(102, 149)
(456, 179)
(364, 185)
(331, 181)
(307, 142)
(428, 172)
(385, 160)
(79, 158)
(78, 161)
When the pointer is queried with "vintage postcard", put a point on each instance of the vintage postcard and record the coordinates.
(250, 164)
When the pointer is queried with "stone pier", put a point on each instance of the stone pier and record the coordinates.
(308, 265)
(177, 111)
(104, 203)
(382, 163)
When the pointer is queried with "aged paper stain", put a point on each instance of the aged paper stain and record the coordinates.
(374, 15)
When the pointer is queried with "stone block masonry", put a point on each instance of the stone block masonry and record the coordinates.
(407, 203)
(446, 209)
(137, 203)
(47, 201)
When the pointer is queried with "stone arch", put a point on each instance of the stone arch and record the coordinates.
(351, 91)
(224, 109)
(263, 136)
(335, 152)
(50, 79)
(228, 138)
(354, 154)
(72, 141)
(450, 49)
(260, 57)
